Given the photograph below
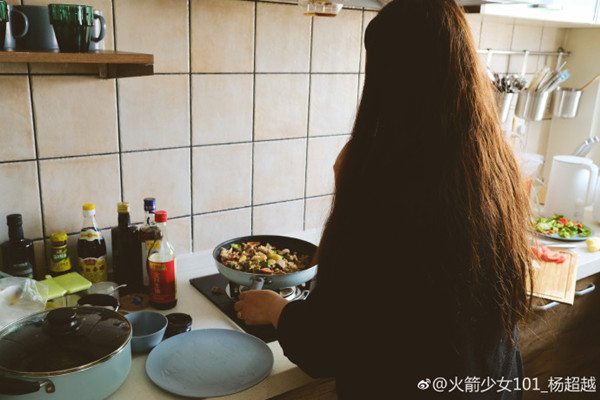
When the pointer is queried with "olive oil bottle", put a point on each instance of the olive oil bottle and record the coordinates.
(17, 252)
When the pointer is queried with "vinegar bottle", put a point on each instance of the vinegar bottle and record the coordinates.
(127, 259)
(91, 248)
(147, 234)
(161, 268)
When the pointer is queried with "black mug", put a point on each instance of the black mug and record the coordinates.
(30, 29)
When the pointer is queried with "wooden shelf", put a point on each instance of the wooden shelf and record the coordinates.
(111, 64)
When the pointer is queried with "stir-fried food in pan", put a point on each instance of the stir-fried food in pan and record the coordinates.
(255, 258)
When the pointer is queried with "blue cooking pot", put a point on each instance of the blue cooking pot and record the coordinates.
(65, 353)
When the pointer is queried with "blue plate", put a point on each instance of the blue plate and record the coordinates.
(575, 238)
(209, 363)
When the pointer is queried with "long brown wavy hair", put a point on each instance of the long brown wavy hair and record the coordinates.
(429, 193)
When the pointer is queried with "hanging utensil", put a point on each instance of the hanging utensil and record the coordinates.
(566, 100)
(594, 79)
(586, 146)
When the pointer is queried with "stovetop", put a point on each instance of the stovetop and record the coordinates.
(216, 288)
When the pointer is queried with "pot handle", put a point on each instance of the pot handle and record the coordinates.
(257, 283)
(11, 386)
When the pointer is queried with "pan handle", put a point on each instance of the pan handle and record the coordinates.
(11, 386)
(257, 282)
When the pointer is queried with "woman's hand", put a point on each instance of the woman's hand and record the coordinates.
(260, 307)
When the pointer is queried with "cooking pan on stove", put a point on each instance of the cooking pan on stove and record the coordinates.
(266, 281)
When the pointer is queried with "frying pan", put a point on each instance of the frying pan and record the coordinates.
(266, 281)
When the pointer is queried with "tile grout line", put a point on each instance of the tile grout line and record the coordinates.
(118, 108)
(191, 145)
(38, 170)
(310, 55)
(252, 151)
(180, 73)
(166, 149)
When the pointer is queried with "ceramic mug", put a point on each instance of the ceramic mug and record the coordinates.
(30, 29)
(98, 32)
(3, 22)
(9, 42)
(73, 26)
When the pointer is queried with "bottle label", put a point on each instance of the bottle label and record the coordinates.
(59, 259)
(146, 246)
(163, 287)
(23, 270)
(93, 269)
(90, 234)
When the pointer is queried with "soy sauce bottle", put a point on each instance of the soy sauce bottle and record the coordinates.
(127, 259)
(91, 247)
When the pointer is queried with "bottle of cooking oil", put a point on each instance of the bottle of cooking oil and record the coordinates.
(161, 267)
(91, 247)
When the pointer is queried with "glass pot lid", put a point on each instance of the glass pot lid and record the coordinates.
(62, 340)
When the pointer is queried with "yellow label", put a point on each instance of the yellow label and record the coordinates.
(61, 266)
(59, 259)
(93, 269)
(90, 234)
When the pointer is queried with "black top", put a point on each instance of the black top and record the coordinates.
(378, 352)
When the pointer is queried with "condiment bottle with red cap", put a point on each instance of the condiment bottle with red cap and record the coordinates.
(161, 267)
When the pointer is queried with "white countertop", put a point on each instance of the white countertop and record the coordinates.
(285, 376)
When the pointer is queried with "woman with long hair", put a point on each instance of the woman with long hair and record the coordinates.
(424, 259)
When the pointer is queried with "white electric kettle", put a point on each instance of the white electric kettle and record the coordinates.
(571, 186)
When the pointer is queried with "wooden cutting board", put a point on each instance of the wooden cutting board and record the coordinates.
(554, 281)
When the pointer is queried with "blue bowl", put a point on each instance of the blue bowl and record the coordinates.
(148, 330)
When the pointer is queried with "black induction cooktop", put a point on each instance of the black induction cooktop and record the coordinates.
(214, 288)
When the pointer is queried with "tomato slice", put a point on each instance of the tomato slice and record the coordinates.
(563, 221)
(545, 254)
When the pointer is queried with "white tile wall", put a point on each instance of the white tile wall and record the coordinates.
(281, 106)
(236, 132)
(154, 112)
(222, 177)
(222, 108)
(15, 114)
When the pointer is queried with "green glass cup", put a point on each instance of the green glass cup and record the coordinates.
(3, 21)
(72, 25)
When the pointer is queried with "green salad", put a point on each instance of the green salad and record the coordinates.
(563, 227)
